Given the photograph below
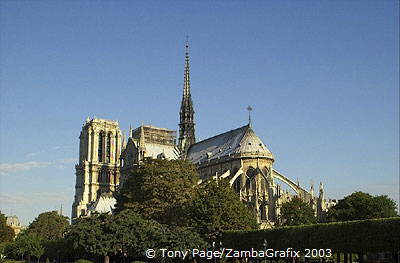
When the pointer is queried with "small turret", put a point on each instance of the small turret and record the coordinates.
(142, 142)
(312, 190)
(321, 191)
(123, 141)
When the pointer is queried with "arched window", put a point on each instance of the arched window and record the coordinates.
(100, 149)
(237, 184)
(248, 186)
(250, 180)
(108, 145)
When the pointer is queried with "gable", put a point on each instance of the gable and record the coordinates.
(131, 152)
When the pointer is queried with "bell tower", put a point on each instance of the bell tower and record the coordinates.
(98, 168)
(186, 125)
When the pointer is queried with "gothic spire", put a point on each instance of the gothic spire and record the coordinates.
(141, 138)
(321, 190)
(186, 125)
(186, 79)
(142, 143)
(312, 190)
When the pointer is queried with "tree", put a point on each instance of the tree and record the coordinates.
(35, 246)
(127, 234)
(49, 225)
(6, 232)
(25, 245)
(360, 206)
(60, 250)
(133, 234)
(182, 238)
(3, 246)
(159, 190)
(217, 208)
(91, 235)
(384, 207)
(297, 212)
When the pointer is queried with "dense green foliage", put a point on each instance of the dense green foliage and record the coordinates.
(127, 234)
(91, 234)
(49, 225)
(26, 245)
(159, 190)
(359, 206)
(132, 234)
(182, 238)
(160, 205)
(60, 249)
(217, 208)
(42, 237)
(297, 212)
(355, 236)
(6, 232)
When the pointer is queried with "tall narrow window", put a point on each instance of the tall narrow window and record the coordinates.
(261, 212)
(250, 180)
(248, 186)
(100, 149)
(237, 185)
(108, 145)
(108, 175)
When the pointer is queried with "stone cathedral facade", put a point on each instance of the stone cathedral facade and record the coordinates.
(238, 155)
(98, 170)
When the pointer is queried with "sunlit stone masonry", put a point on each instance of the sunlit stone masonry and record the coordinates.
(239, 155)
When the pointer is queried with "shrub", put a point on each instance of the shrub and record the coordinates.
(83, 261)
(354, 236)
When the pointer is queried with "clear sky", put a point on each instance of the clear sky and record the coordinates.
(321, 76)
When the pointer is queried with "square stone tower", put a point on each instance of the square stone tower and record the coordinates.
(98, 169)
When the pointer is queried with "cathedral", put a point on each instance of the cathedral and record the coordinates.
(239, 155)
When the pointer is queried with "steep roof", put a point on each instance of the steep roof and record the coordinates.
(155, 150)
(240, 141)
(104, 204)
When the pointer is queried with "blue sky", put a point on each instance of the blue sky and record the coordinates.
(321, 76)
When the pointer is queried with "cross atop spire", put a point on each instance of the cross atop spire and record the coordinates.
(249, 108)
